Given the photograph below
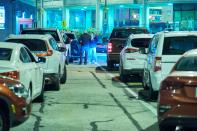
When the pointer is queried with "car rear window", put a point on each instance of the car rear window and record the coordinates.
(52, 33)
(140, 42)
(71, 36)
(187, 64)
(32, 44)
(124, 33)
(179, 45)
(5, 54)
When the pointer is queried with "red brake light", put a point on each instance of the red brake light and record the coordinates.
(131, 50)
(11, 74)
(157, 64)
(109, 47)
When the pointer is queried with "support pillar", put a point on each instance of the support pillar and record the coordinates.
(98, 15)
(111, 19)
(88, 19)
(144, 13)
(66, 16)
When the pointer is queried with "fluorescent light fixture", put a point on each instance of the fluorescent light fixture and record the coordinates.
(121, 6)
(85, 7)
(170, 4)
(23, 16)
(77, 19)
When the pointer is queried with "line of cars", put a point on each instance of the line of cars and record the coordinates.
(167, 62)
(28, 62)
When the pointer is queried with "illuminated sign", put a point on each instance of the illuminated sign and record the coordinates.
(2, 17)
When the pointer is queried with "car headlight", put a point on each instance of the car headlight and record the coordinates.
(19, 90)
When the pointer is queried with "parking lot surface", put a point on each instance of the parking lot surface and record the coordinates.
(93, 99)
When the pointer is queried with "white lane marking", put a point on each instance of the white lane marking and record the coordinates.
(133, 93)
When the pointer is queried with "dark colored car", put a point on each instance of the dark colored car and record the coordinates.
(101, 46)
(15, 103)
(74, 46)
(117, 42)
(177, 103)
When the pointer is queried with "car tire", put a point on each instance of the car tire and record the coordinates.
(110, 65)
(40, 98)
(57, 82)
(144, 84)
(4, 121)
(123, 77)
(166, 128)
(152, 95)
(64, 76)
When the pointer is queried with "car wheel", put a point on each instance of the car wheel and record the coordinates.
(123, 77)
(152, 95)
(57, 81)
(110, 65)
(166, 128)
(64, 77)
(40, 98)
(4, 121)
(144, 84)
(67, 58)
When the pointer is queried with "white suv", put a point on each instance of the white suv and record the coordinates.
(164, 51)
(45, 46)
(133, 55)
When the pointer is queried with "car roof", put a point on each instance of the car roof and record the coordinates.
(10, 45)
(192, 52)
(50, 29)
(30, 36)
(128, 27)
(135, 36)
(178, 33)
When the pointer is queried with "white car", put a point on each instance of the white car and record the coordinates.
(133, 55)
(17, 62)
(45, 46)
(164, 51)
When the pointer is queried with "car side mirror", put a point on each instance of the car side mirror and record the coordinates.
(61, 49)
(41, 60)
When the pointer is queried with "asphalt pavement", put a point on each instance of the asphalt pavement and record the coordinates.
(93, 99)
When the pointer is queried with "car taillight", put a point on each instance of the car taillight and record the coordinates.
(48, 53)
(109, 47)
(11, 74)
(157, 64)
(131, 50)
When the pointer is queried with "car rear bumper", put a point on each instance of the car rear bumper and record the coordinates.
(115, 58)
(133, 71)
(184, 121)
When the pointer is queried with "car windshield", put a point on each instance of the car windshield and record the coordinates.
(5, 54)
(179, 45)
(71, 36)
(32, 44)
(52, 33)
(124, 33)
(187, 64)
(140, 42)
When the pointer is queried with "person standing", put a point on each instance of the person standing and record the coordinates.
(94, 40)
(84, 40)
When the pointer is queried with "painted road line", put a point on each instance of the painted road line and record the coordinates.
(133, 93)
